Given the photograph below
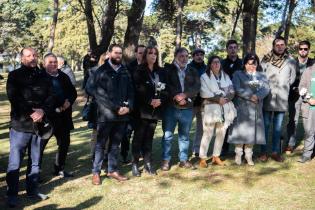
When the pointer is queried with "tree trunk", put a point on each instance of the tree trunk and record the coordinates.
(238, 12)
(108, 24)
(284, 15)
(88, 10)
(249, 25)
(179, 24)
(292, 6)
(134, 27)
(53, 27)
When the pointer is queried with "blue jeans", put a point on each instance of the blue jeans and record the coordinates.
(171, 117)
(276, 133)
(112, 132)
(19, 142)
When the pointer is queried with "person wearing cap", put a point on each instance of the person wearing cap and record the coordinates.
(198, 63)
(32, 98)
(66, 95)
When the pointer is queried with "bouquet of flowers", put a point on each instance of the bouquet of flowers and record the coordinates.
(305, 94)
(254, 83)
(158, 89)
(159, 86)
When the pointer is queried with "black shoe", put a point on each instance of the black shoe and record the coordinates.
(165, 166)
(304, 159)
(185, 164)
(135, 170)
(12, 201)
(148, 168)
(64, 174)
(38, 196)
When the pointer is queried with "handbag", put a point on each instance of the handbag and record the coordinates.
(87, 110)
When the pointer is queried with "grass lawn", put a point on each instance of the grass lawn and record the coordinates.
(271, 185)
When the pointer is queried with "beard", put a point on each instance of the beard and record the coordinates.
(115, 61)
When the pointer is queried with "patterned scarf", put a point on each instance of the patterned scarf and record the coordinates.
(275, 60)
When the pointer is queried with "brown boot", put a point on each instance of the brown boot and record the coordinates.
(96, 179)
(203, 163)
(217, 161)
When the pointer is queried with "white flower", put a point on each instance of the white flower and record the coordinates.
(303, 92)
(160, 86)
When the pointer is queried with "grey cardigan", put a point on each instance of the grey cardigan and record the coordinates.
(306, 83)
(280, 80)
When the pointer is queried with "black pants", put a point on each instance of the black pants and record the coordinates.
(124, 147)
(63, 142)
(142, 140)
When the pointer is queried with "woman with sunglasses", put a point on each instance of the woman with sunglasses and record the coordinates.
(251, 87)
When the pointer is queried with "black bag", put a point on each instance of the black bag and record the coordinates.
(89, 111)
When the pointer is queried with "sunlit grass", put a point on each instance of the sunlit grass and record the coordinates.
(270, 185)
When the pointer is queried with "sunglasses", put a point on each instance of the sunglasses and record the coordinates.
(305, 49)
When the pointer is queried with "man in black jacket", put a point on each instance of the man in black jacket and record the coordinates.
(31, 96)
(62, 117)
(112, 89)
(183, 84)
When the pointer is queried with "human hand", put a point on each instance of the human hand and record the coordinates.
(155, 102)
(37, 115)
(254, 99)
(123, 110)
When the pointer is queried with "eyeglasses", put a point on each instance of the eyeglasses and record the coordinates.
(252, 64)
(305, 49)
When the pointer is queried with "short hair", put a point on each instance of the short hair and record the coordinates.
(231, 41)
(111, 47)
(250, 57)
(59, 57)
(49, 55)
(279, 38)
(305, 42)
(139, 46)
(180, 50)
(26, 48)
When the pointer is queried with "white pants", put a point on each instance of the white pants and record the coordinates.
(208, 131)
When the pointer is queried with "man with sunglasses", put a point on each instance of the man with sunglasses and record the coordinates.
(295, 101)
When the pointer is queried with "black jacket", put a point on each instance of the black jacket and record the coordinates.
(230, 66)
(191, 85)
(145, 91)
(28, 88)
(63, 120)
(111, 89)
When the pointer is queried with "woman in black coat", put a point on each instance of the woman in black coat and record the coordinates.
(151, 96)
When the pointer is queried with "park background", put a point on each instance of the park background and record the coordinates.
(193, 23)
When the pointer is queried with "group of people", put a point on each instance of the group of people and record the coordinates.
(236, 100)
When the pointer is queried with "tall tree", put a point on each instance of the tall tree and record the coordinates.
(179, 22)
(53, 26)
(292, 6)
(109, 14)
(134, 27)
(250, 12)
(237, 13)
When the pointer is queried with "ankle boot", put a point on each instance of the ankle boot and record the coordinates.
(148, 168)
(238, 155)
(217, 161)
(249, 155)
(135, 170)
(203, 163)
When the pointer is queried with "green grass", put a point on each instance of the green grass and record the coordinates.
(270, 185)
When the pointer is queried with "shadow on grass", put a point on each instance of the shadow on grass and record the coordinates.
(86, 204)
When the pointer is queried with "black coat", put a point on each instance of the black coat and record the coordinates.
(28, 88)
(230, 66)
(111, 89)
(63, 120)
(191, 85)
(145, 92)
